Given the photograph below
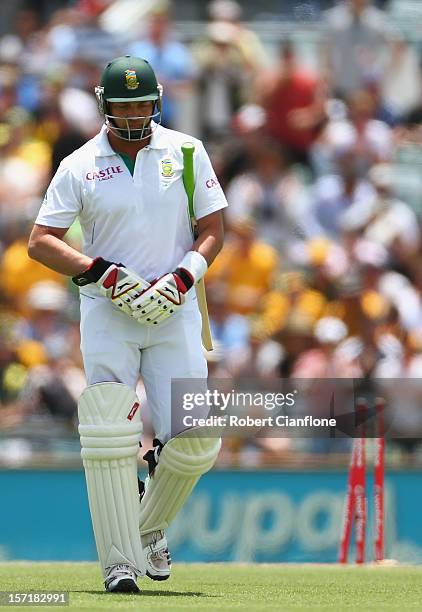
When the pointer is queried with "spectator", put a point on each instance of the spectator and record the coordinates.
(237, 154)
(393, 224)
(384, 109)
(172, 61)
(244, 268)
(292, 299)
(293, 100)
(401, 79)
(18, 69)
(84, 37)
(248, 43)
(45, 308)
(222, 78)
(334, 194)
(26, 27)
(401, 371)
(230, 334)
(374, 138)
(327, 360)
(357, 44)
(26, 155)
(274, 195)
(353, 126)
(18, 272)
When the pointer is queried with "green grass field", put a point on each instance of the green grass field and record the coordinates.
(229, 587)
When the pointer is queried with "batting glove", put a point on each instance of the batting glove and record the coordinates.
(166, 295)
(120, 285)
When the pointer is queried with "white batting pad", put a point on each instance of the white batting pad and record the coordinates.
(181, 463)
(110, 429)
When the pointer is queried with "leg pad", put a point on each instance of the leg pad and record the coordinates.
(181, 463)
(110, 429)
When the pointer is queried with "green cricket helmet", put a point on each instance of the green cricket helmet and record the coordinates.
(129, 79)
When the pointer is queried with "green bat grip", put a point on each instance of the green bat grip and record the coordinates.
(188, 149)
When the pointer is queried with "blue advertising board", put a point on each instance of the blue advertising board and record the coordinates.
(242, 516)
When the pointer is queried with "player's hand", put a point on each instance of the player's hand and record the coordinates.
(120, 285)
(163, 299)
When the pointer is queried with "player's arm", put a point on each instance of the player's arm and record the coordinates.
(47, 246)
(61, 205)
(115, 282)
(210, 236)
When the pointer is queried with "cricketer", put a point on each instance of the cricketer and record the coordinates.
(139, 314)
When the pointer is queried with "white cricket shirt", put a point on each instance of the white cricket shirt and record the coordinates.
(141, 221)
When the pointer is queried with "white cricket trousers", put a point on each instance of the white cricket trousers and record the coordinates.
(115, 348)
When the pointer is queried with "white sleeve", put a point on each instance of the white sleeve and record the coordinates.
(208, 195)
(62, 202)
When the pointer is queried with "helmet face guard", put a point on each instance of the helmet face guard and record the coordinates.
(128, 133)
(129, 79)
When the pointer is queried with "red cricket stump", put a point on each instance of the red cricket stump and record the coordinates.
(355, 507)
(379, 472)
(356, 503)
(360, 486)
(349, 508)
(360, 501)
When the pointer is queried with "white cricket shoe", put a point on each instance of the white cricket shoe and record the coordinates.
(120, 579)
(157, 556)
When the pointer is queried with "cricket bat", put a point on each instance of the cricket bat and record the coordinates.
(188, 149)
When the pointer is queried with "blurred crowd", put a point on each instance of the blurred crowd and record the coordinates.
(321, 162)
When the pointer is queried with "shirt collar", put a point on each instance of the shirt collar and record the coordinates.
(103, 147)
(158, 137)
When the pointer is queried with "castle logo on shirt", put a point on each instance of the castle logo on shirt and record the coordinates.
(131, 80)
(167, 168)
(104, 174)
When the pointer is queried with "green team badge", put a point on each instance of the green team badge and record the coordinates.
(131, 79)
(167, 168)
